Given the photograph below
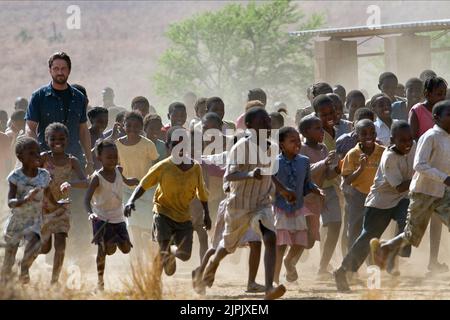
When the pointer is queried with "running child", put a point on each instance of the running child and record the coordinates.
(103, 203)
(65, 171)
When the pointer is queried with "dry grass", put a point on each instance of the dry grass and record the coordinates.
(144, 282)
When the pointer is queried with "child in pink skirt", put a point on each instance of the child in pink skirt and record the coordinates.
(290, 218)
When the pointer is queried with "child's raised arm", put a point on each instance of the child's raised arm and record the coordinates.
(82, 182)
(89, 193)
(128, 181)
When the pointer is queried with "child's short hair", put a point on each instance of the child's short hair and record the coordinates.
(362, 124)
(399, 125)
(321, 88)
(151, 117)
(106, 143)
(252, 113)
(170, 133)
(321, 100)
(283, 133)
(439, 108)
(257, 94)
(355, 94)
(433, 82)
(18, 115)
(254, 103)
(278, 117)
(336, 99)
(22, 143)
(213, 101)
(200, 101)
(364, 113)
(413, 81)
(56, 126)
(212, 116)
(95, 112)
(425, 74)
(142, 100)
(133, 115)
(386, 75)
(175, 106)
(376, 97)
(306, 123)
(80, 88)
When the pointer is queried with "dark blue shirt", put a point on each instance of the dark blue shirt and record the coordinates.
(294, 174)
(47, 106)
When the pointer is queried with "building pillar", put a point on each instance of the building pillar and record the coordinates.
(336, 62)
(407, 55)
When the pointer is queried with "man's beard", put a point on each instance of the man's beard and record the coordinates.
(58, 80)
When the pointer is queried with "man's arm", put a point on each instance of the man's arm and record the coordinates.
(31, 129)
(85, 140)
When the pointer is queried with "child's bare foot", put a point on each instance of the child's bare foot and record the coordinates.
(170, 265)
(209, 274)
(275, 292)
(340, 277)
(255, 288)
(379, 253)
(291, 271)
(101, 285)
(437, 267)
(197, 282)
(24, 277)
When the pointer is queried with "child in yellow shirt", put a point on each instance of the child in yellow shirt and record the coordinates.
(178, 182)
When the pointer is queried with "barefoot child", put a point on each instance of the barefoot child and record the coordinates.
(429, 192)
(331, 212)
(386, 201)
(247, 209)
(359, 168)
(178, 179)
(103, 203)
(56, 219)
(27, 185)
(136, 156)
(290, 218)
(421, 120)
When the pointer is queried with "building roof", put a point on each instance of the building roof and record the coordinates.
(383, 29)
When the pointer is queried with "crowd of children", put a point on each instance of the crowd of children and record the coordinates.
(343, 169)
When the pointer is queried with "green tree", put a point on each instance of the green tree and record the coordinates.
(237, 48)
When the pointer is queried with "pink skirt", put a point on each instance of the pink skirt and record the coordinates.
(298, 228)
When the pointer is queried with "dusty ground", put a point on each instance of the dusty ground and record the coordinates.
(232, 278)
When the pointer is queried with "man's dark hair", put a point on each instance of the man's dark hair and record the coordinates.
(60, 55)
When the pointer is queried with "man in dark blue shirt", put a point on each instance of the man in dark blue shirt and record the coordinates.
(60, 102)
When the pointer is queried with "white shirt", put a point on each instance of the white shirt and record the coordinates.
(394, 169)
(383, 132)
(431, 163)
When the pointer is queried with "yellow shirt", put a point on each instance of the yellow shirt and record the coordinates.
(351, 163)
(176, 188)
(136, 160)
